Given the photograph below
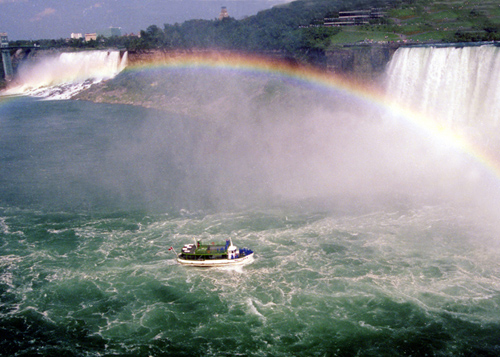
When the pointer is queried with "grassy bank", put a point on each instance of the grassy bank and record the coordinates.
(430, 21)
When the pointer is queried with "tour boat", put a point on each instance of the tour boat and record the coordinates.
(214, 254)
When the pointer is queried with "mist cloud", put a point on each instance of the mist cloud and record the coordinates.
(226, 139)
(243, 140)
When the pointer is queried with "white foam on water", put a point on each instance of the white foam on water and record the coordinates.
(4, 228)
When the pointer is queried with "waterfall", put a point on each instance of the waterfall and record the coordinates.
(460, 87)
(67, 73)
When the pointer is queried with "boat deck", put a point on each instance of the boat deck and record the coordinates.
(205, 249)
(214, 254)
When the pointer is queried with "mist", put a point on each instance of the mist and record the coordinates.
(237, 140)
(224, 139)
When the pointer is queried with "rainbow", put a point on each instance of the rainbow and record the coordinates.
(314, 77)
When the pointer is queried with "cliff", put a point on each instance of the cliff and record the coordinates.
(173, 91)
(365, 62)
(360, 62)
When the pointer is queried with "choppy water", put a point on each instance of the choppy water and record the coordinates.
(86, 223)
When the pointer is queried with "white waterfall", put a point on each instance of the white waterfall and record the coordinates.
(458, 86)
(67, 73)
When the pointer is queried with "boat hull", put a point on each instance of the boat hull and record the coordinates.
(216, 262)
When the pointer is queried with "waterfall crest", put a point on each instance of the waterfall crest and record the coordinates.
(460, 87)
(67, 73)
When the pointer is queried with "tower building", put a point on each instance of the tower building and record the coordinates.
(7, 62)
(223, 13)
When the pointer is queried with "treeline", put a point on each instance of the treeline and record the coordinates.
(288, 28)
(482, 30)
(293, 29)
(477, 36)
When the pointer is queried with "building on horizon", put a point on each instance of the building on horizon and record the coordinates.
(355, 17)
(90, 37)
(110, 32)
(76, 35)
(223, 13)
(132, 35)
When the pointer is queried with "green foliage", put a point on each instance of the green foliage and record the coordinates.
(296, 28)
(316, 38)
(276, 29)
(470, 36)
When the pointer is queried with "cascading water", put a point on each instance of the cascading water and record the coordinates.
(64, 75)
(459, 86)
(455, 90)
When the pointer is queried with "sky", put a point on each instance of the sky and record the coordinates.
(54, 19)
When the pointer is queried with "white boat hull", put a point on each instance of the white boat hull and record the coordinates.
(216, 262)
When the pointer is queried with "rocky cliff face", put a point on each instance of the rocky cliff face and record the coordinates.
(362, 62)
(359, 62)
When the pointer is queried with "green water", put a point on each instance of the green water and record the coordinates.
(92, 196)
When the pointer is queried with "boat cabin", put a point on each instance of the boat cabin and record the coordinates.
(199, 251)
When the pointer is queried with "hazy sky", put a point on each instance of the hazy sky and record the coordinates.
(41, 19)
